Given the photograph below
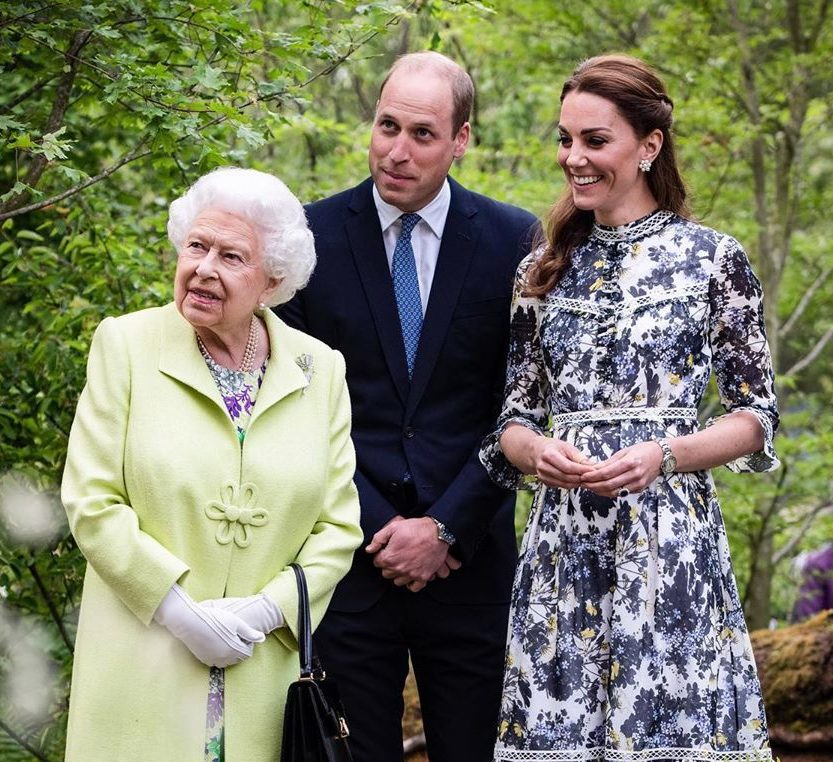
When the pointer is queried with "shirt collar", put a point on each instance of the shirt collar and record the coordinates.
(434, 212)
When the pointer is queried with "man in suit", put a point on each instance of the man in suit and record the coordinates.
(419, 306)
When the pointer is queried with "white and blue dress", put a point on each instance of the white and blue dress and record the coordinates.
(627, 641)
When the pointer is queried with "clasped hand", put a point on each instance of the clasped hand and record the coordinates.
(560, 464)
(409, 552)
(219, 632)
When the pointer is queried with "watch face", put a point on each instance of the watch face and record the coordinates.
(669, 463)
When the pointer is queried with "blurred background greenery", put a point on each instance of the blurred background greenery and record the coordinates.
(109, 109)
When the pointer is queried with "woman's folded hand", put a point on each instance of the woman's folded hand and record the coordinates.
(258, 611)
(217, 637)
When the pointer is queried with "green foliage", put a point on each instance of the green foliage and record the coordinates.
(134, 101)
(110, 109)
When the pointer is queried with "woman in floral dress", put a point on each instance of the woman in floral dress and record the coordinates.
(626, 638)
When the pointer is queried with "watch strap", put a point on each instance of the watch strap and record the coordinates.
(443, 532)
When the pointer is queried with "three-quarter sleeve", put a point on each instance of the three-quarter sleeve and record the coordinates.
(741, 356)
(527, 384)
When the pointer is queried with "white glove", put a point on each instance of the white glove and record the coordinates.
(218, 638)
(258, 611)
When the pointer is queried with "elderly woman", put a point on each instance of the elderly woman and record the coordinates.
(210, 449)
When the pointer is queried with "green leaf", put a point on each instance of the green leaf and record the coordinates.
(17, 189)
(52, 147)
(8, 123)
(29, 235)
(23, 141)
(209, 77)
(252, 137)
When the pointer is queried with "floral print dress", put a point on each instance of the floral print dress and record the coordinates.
(239, 392)
(626, 637)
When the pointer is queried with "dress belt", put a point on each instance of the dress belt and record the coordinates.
(605, 414)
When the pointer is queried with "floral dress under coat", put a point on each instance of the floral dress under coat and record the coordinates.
(239, 392)
(626, 636)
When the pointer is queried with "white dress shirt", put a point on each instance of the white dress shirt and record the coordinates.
(425, 238)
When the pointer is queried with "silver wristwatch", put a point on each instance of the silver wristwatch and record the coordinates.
(669, 462)
(443, 532)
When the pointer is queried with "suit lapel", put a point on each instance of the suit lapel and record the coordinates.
(285, 373)
(180, 358)
(456, 250)
(368, 248)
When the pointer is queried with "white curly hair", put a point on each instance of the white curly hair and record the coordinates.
(264, 201)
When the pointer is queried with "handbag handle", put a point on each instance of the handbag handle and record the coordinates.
(304, 624)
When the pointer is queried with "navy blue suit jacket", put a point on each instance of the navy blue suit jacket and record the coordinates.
(431, 426)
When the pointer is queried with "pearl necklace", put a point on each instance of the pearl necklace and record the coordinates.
(249, 353)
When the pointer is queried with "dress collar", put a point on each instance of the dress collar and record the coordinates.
(632, 231)
(434, 213)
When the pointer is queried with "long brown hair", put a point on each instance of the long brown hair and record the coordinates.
(640, 97)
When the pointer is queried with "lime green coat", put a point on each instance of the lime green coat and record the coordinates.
(158, 489)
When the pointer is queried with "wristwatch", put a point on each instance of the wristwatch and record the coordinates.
(443, 532)
(669, 462)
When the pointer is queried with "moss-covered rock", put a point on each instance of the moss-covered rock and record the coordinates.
(795, 665)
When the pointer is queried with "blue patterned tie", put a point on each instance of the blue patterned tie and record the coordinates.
(406, 288)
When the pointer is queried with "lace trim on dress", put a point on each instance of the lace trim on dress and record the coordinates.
(600, 754)
(633, 231)
(627, 306)
(765, 459)
(580, 417)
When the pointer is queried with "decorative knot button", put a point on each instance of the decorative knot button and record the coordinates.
(235, 512)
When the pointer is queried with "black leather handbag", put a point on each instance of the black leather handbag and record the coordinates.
(314, 727)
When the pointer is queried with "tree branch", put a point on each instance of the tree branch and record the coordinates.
(137, 154)
(37, 87)
(36, 753)
(56, 617)
(34, 12)
(132, 156)
(724, 173)
(820, 510)
(820, 23)
(805, 300)
(56, 116)
(812, 354)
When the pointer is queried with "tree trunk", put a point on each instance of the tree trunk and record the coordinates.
(759, 589)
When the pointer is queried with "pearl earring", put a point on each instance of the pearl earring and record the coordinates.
(261, 305)
(645, 165)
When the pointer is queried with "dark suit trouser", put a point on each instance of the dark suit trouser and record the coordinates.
(457, 652)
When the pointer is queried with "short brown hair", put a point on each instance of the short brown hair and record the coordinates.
(462, 88)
